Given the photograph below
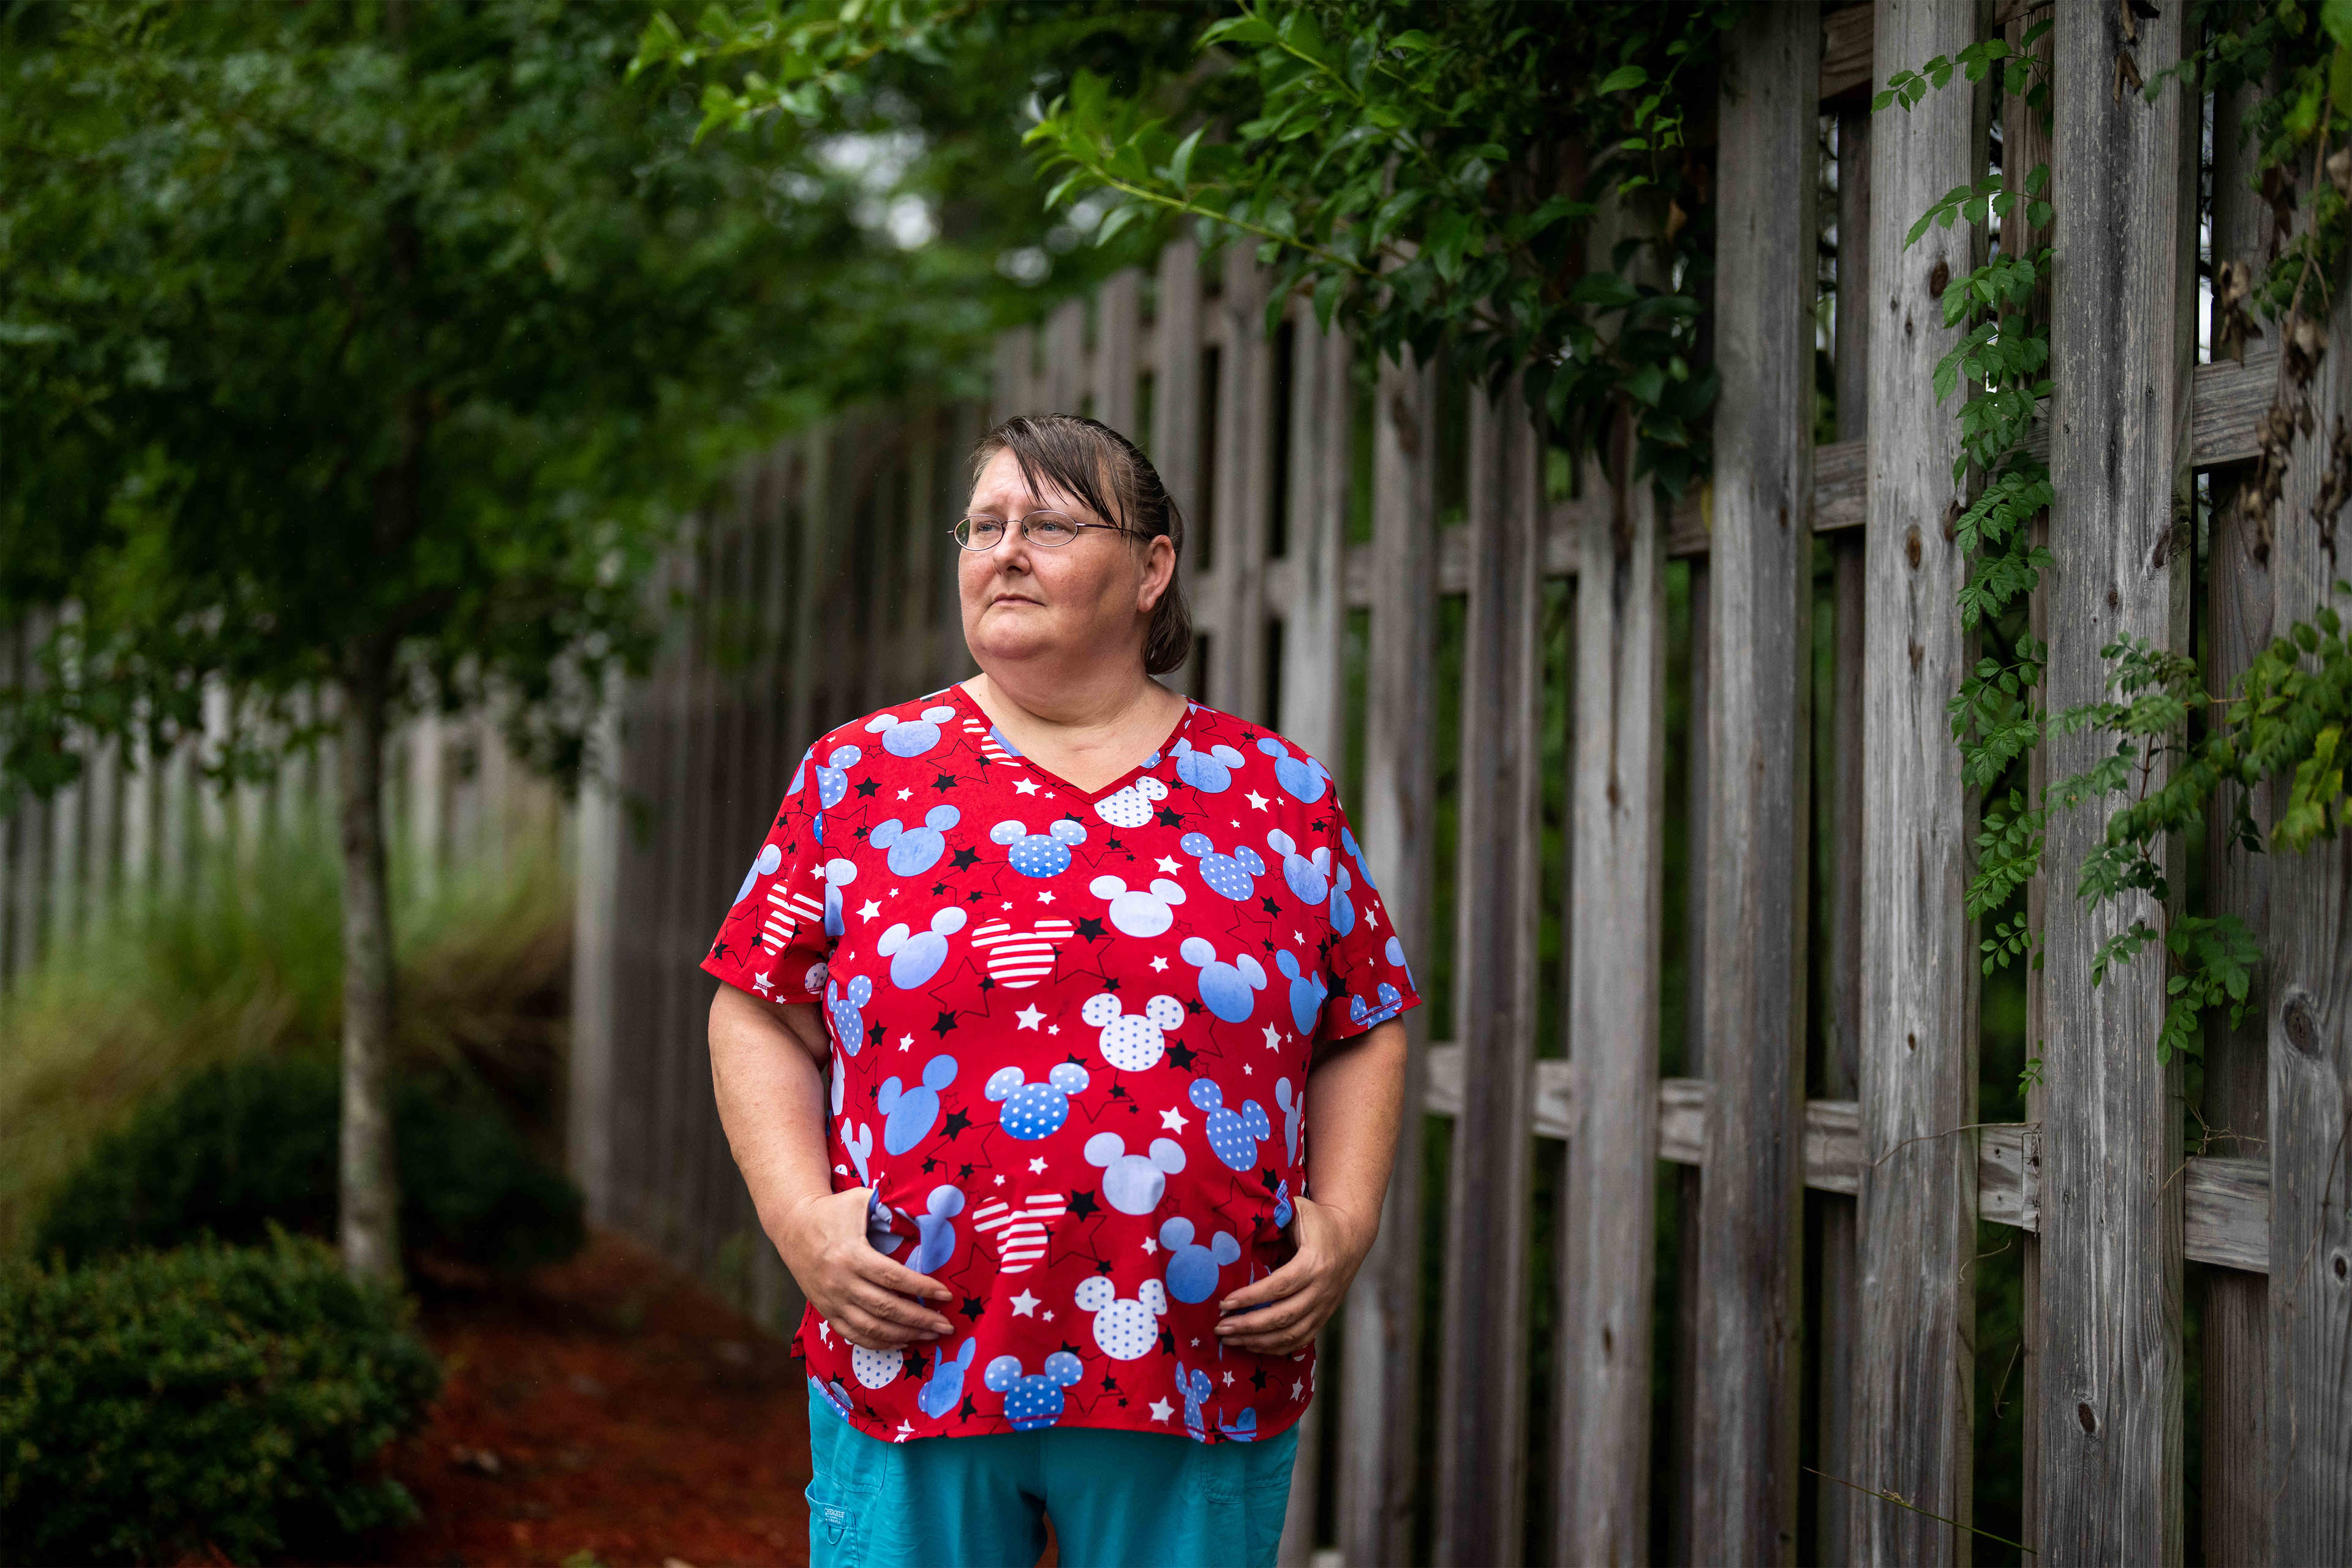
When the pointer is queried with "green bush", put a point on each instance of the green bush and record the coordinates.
(237, 1146)
(239, 1397)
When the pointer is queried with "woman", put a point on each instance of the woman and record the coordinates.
(1088, 961)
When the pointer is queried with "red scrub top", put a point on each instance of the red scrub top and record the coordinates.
(1071, 1031)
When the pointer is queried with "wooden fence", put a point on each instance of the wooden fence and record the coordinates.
(1751, 687)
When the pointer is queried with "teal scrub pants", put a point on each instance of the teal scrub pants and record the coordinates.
(1119, 1499)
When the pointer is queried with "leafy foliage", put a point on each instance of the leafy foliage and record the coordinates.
(239, 1148)
(235, 1398)
(1399, 165)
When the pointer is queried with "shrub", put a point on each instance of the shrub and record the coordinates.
(237, 1396)
(237, 1146)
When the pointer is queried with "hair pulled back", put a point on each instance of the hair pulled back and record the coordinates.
(1092, 463)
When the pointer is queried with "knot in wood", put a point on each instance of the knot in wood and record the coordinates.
(1911, 546)
(2082, 1414)
(1939, 279)
(2301, 1028)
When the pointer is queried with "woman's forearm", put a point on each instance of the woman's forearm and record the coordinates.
(771, 1101)
(1355, 1103)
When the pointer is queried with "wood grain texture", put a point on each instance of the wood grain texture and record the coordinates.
(1309, 598)
(2239, 611)
(2309, 998)
(1607, 1265)
(1243, 459)
(1395, 815)
(1758, 717)
(1918, 1066)
(1482, 1355)
(2110, 1413)
(1012, 383)
(1119, 329)
(1846, 53)
(1063, 378)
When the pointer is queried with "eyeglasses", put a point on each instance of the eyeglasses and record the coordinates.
(1050, 530)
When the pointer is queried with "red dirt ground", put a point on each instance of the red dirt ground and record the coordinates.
(610, 1406)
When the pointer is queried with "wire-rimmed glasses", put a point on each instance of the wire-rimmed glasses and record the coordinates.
(1048, 530)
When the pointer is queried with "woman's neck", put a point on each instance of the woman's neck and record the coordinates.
(1088, 731)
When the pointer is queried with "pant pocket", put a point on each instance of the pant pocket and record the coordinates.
(837, 1524)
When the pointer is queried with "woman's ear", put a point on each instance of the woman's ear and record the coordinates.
(1159, 572)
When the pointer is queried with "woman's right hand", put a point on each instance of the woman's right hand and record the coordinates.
(870, 1300)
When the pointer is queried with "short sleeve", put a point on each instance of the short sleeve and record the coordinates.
(1368, 979)
(772, 943)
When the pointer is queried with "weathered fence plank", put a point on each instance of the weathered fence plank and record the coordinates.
(1482, 1466)
(2111, 1242)
(2309, 1409)
(1915, 1367)
(1243, 465)
(1760, 590)
(1118, 325)
(1608, 1264)
(1375, 1482)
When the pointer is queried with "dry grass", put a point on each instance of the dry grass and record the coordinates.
(248, 960)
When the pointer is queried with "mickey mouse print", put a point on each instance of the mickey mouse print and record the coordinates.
(1080, 1021)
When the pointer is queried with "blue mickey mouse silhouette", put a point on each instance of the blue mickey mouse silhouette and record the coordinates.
(1301, 778)
(1193, 1388)
(1234, 1135)
(909, 737)
(1224, 987)
(838, 874)
(1307, 993)
(914, 851)
(916, 956)
(1293, 1108)
(832, 778)
(770, 859)
(1132, 1183)
(848, 1022)
(1045, 854)
(1192, 1268)
(937, 1225)
(907, 1114)
(1309, 877)
(800, 772)
(1210, 771)
(1343, 908)
(1356, 853)
(1242, 1429)
(1033, 1399)
(1226, 874)
(1035, 1111)
(1364, 1017)
(1281, 1203)
(1395, 951)
(943, 1389)
(835, 1395)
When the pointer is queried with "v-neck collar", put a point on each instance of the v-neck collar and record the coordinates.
(1159, 754)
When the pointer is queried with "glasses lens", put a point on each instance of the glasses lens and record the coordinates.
(1048, 529)
(979, 533)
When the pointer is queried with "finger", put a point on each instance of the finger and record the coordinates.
(900, 1279)
(894, 1308)
(1293, 1276)
(1273, 1318)
(868, 1332)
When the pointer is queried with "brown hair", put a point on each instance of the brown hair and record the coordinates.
(1090, 462)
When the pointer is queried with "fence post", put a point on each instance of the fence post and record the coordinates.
(1616, 891)
(1236, 683)
(1915, 1364)
(1118, 326)
(1063, 383)
(1315, 621)
(1481, 1388)
(1379, 1365)
(595, 928)
(2111, 1216)
(2310, 1075)
(1761, 646)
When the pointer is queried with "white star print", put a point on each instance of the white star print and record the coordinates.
(1257, 800)
(905, 1041)
(1024, 1305)
(1053, 1028)
(1158, 962)
(1168, 865)
(905, 1431)
(999, 1180)
(1372, 919)
(1030, 1017)
(1300, 936)
(1196, 1341)
(1025, 786)
(1229, 1380)
(870, 911)
(1246, 1067)
(1161, 1410)
(906, 794)
(1037, 1166)
(1044, 898)
(1172, 1119)
(1048, 1314)
(1005, 905)
(1298, 1388)
(1150, 1247)
(1273, 1037)
(760, 983)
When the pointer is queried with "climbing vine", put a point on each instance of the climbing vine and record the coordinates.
(2288, 715)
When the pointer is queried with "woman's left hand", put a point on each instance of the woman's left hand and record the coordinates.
(1286, 1308)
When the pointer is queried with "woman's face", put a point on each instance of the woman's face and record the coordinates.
(1081, 601)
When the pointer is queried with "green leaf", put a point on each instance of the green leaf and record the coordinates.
(1180, 167)
(1624, 79)
(2335, 16)
(1244, 29)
